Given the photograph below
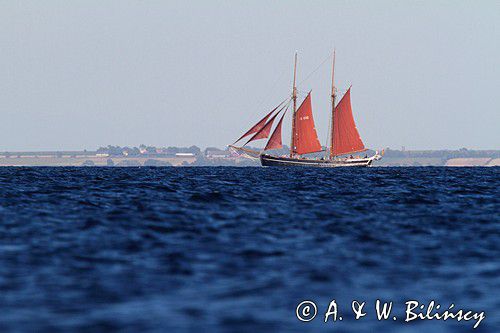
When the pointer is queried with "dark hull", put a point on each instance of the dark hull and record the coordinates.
(269, 160)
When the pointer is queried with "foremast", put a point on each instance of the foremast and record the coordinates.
(333, 95)
(294, 99)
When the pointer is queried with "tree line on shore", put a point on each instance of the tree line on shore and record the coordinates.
(147, 150)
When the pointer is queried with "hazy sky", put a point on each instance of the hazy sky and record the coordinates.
(82, 74)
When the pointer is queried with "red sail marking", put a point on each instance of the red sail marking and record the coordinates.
(305, 138)
(346, 138)
(275, 140)
(264, 131)
(257, 127)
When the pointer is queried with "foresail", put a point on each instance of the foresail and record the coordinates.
(346, 139)
(257, 127)
(275, 139)
(305, 138)
(264, 131)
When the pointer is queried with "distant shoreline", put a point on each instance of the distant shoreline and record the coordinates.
(193, 156)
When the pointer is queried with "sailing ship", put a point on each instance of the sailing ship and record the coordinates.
(343, 144)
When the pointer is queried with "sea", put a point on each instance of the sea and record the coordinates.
(225, 249)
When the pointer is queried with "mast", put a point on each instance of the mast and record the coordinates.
(333, 107)
(294, 98)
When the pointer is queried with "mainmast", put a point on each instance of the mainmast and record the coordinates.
(294, 98)
(333, 108)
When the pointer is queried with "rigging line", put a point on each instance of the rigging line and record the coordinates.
(269, 120)
(284, 107)
(315, 70)
(282, 116)
(286, 100)
(272, 90)
(302, 92)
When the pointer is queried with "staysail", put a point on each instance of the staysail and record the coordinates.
(264, 131)
(257, 127)
(275, 139)
(346, 139)
(305, 139)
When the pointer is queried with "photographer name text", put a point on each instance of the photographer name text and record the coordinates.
(307, 311)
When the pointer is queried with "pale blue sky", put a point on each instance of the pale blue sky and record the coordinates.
(81, 74)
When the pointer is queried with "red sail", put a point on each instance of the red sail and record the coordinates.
(257, 127)
(275, 140)
(264, 131)
(346, 138)
(305, 138)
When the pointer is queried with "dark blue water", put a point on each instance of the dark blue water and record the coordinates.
(237, 249)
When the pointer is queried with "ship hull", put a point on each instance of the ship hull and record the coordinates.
(269, 160)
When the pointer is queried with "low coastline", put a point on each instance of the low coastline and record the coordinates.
(193, 156)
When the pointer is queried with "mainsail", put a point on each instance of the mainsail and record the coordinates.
(275, 139)
(305, 139)
(346, 139)
(257, 127)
